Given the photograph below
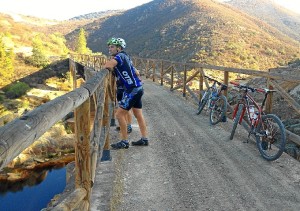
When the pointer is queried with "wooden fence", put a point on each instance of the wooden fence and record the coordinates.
(179, 75)
(93, 103)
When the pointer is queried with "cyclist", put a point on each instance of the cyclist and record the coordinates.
(123, 68)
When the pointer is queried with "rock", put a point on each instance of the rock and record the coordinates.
(39, 160)
(14, 176)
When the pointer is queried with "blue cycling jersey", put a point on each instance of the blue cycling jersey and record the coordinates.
(126, 72)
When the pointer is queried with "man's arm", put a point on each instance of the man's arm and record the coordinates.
(110, 64)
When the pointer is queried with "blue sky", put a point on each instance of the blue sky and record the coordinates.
(65, 9)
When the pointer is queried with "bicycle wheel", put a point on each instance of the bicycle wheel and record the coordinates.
(236, 120)
(270, 137)
(218, 111)
(203, 102)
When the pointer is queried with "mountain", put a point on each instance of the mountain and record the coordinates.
(95, 15)
(282, 19)
(191, 30)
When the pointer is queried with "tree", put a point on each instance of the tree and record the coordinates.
(6, 63)
(60, 43)
(81, 45)
(38, 58)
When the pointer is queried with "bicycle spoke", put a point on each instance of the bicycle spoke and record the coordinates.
(271, 137)
(218, 110)
(203, 102)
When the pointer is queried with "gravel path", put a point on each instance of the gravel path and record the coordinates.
(190, 165)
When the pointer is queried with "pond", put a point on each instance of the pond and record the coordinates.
(34, 194)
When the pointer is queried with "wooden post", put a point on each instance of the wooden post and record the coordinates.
(72, 68)
(200, 83)
(147, 67)
(184, 82)
(172, 77)
(268, 108)
(153, 68)
(113, 101)
(106, 118)
(226, 78)
(82, 150)
(162, 73)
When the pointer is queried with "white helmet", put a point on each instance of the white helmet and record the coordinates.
(117, 41)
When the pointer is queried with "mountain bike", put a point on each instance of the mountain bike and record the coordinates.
(217, 102)
(268, 129)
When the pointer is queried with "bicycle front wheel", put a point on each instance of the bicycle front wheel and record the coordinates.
(236, 120)
(270, 137)
(203, 102)
(218, 111)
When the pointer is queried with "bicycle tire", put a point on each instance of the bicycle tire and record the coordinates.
(218, 111)
(203, 102)
(275, 136)
(236, 120)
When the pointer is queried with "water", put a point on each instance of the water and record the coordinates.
(35, 194)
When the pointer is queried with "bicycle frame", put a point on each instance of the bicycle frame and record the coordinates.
(245, 101)
(214, 88)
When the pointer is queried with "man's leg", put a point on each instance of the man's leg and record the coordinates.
(129, 121)
(142, 125)
(121, 116)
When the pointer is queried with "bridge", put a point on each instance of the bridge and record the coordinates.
(189, 165)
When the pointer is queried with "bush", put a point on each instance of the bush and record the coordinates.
(17, 90)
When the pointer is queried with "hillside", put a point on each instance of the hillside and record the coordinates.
(189, 30)
(282, 19)
(24, 28)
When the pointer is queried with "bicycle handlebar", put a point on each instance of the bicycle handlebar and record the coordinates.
(241, 86)
(211, 79)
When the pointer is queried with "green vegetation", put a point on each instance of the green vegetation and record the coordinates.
(38, 58)
(58, 44)
(6, 61)
(16, 90)
(81, 45)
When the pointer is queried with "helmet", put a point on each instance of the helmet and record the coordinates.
(116, 41)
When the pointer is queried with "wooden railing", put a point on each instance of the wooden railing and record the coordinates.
(93, 105)
(97, 96)
(179, 75)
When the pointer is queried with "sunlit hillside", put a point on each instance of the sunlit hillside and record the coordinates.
(201, 31)
(282, 19)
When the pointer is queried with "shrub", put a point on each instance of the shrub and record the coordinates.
(17, 90)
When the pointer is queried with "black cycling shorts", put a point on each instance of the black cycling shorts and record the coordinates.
(120, 93)
(132, 98)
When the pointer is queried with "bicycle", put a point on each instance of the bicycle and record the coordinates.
(268, 129)
(216, 100)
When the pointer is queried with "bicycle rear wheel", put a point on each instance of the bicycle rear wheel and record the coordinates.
(270, 137)
(236, 120)
(218, 111)
(203, 102)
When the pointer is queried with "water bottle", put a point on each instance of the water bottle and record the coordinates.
(253, 114)
(251, 111)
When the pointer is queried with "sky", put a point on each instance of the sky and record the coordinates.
(66, 9)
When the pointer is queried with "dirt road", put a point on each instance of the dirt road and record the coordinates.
(190, 165)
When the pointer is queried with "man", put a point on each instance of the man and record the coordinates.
(123, 68)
